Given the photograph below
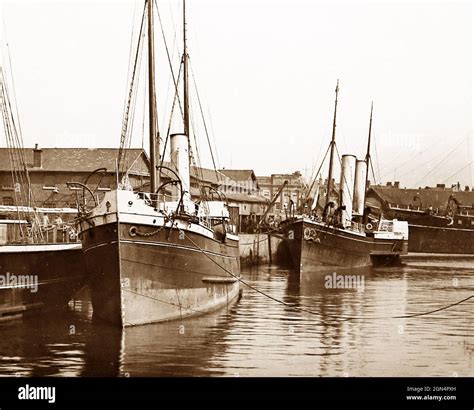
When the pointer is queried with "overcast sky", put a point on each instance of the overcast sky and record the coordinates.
(266, 73)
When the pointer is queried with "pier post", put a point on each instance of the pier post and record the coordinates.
(258, 248)
(269, 249)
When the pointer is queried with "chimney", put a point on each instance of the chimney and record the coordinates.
(389, 183)
(359, 187)
(348, 169)
(37, 163)
(396, 184)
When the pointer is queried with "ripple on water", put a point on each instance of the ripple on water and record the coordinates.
(256, 336)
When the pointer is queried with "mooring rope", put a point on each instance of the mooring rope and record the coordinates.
(340, 318)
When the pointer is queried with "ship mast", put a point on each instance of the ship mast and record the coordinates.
(367, 155)
(154, 138)
(185, 75)
(331, 158)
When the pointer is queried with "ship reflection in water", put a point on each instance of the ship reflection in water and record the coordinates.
(259, 337)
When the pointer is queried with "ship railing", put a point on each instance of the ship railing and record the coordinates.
(60, 233)
(357, 227)
(10, 234)
(405, 207)
(385, 226)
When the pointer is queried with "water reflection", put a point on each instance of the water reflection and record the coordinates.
(305, 334)
(177, 348)
(43, 346)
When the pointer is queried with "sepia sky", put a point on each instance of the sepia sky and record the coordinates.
(266, 71)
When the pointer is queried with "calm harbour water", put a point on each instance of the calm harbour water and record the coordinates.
(257, 336)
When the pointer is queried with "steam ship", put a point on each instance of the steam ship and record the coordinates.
(153, 258)
(345, 235)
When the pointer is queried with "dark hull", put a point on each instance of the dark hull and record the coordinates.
(438, 234)
(59, 274)
(145, 279)
(331, 247)
(433, 239)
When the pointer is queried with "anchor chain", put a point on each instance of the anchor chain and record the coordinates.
(133, 231)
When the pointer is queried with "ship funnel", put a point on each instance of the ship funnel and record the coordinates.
(179, 145)
(347, 188)
(359, 187)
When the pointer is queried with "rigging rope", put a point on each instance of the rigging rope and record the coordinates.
(19, 170)
(213, 134)
(315, 162)
(175, 82)
(132, 92)
(319, 169)
(176, 96)
(442, 160)
(458, 171)
(434, 144)
(204, 122)
(197, 163)
(373, 172)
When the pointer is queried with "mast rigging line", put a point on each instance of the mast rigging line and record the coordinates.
(176, 87)
(132, 91)
(213, 134)
(130, 50)
(16, 151)
(171, 57)
(378, 162)
(442, 160)
(315, 162)
(316, 176)
(388, 168)
(410, 170)
(458, 171)
(204, 123)
(189, 123)
(373, 173)
(417, 165)
(130, 101)
(176, 97)
(175, 82)
(196, 161)
(6, 117)
(20, 134)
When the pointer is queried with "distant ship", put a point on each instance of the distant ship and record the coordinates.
(345, 235)
(447, 229)
(151, 257)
